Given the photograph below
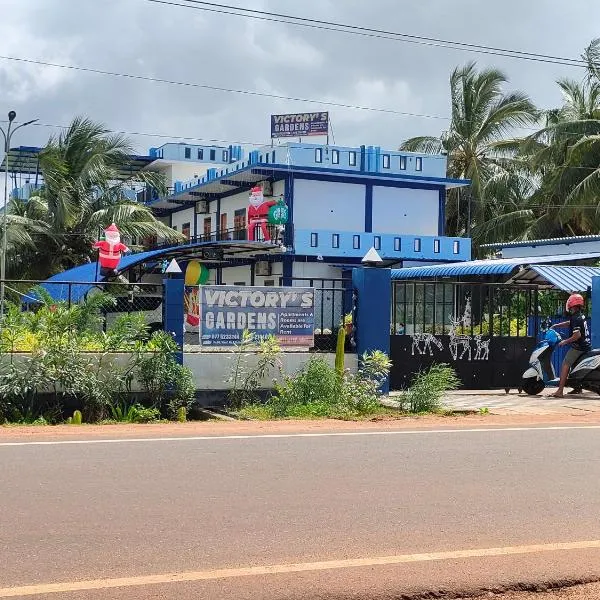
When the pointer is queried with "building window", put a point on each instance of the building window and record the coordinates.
(185, 229)
(377, 242)
(240, 283)
(260, 158)
(239, 224)
(403, 163)
(223, 233)
(335, 240)
(188, 153)
(207, 227)
(352, 159)
(269, 282)
(418, 164)
(319, 155)
(267, 158)
(273, 156)
(335, 157)
(436, 246)
(225, 155)
(456, 247)
(417, 245)
(386, 161)
(397, 244)
(213, 155)
(356, 242)
(200, 154)
(314, 240)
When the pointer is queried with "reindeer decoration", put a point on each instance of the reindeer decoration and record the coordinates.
(428, 340)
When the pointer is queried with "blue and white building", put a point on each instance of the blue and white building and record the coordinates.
(342, 201)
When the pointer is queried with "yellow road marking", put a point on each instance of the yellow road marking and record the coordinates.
(166, 578)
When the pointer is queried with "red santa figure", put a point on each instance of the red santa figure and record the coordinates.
(110, 250)
(258, 212)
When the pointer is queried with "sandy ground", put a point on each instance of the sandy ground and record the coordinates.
(219, 428)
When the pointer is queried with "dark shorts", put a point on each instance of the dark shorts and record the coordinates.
(572, 357)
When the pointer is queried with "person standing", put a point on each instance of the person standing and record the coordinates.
(579, 339)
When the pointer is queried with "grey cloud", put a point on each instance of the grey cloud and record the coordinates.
(181, 44)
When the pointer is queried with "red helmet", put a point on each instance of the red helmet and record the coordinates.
(575, 300)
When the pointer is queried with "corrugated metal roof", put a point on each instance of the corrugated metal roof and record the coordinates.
(544, 242)
(500, 266)
(566, 278)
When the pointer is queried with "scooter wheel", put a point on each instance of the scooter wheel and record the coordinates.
(533, 388)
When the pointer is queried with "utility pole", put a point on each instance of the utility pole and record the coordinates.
(12, 115)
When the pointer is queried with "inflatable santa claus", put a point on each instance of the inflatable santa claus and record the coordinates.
(110, 251)
(258, 216)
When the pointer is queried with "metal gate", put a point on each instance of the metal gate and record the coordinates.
(486, 332)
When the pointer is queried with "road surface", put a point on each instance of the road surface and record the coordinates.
(373, 515)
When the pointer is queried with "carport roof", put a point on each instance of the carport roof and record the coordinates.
(81, 279)
(561, 277)
(499, 266)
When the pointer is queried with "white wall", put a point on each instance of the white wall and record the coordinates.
(212, 369)
(315, 269)
(551, 249)
(405, 211)
(329, 205)
(184, 216)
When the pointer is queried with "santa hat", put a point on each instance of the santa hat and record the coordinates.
(112, 229)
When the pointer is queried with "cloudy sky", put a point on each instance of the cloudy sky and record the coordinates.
(168, 42)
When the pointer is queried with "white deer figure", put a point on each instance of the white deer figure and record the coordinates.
(459, 340)
(482, 348)
(428, 340)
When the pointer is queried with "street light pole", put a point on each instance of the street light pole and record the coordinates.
(7, 137)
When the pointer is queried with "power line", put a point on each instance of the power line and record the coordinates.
(341, 152)
(218, 88)
(370, 32)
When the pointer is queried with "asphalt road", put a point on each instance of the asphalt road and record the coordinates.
(211, 509)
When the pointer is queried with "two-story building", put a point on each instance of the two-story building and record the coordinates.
(341, 201)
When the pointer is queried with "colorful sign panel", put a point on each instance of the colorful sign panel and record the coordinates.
(299, 125)
(288, 313)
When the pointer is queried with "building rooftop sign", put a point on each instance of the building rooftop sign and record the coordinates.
(300, 124)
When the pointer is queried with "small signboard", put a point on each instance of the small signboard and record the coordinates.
(288, 313)
(299, 125)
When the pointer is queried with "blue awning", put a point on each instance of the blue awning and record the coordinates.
(80, 280)
(499, 266)
(566, 278)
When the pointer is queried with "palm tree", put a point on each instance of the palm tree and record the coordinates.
(564, 162)
(476, 143)
(83, 192)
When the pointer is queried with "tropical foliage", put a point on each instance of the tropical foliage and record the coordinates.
(84, 191)
(534, 173)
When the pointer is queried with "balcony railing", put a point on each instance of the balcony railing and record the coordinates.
(277, 234)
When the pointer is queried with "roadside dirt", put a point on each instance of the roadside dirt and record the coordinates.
(219, 428)
(579, 592)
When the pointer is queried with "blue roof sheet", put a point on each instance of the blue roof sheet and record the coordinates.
(500, 266)
(567, 278)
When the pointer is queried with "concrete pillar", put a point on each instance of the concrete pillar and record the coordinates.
(373, 287)
(173, 311)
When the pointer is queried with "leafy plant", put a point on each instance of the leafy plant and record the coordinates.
(428, 388)
(124, 412)
(246, 379)
(77, 419)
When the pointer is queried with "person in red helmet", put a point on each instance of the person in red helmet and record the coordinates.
(579, 339)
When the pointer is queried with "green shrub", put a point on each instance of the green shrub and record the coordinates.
(245, 379)
(77, 419)
(428, 388)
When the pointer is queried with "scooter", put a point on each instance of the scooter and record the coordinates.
(585, 373)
